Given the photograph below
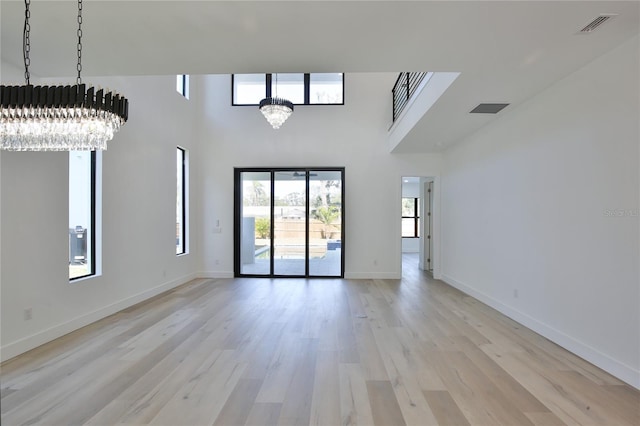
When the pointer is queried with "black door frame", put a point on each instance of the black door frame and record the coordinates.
(237, 215)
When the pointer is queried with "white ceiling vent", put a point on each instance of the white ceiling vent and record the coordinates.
(599, 20)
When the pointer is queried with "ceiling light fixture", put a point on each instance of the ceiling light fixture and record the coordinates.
(58, 118)
(276, 110)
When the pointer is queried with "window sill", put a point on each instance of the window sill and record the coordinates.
(81, 279)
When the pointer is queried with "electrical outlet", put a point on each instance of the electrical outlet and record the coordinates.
(217, 261)
(28, 314)
(375, 262)
(515, 293)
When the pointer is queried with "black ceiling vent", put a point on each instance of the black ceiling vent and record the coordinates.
(599, 20)
(488, 108)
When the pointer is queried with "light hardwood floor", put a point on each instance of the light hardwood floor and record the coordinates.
(320, 352)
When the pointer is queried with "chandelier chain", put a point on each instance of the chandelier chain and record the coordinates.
(26, 41)
(79, 67)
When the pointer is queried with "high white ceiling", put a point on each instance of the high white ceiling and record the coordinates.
(506, 51)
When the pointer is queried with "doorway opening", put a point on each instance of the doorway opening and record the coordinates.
(289, 222)
(417, 226)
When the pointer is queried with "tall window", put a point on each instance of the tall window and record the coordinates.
(82, 214)
(181, 200)
(299, 88)
(410, 217)
(182, 84)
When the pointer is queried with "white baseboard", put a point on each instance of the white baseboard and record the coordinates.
(215, 274)
(347, 275)
(372, 276)
(25, 344)
(614, 367)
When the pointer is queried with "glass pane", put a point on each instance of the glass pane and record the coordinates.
(408, 206)
(288, 86)
(180, 158)
(249, 89)
(325, 88)
(80, 212)
(255, 231)
(325, 223)
(408, 227)
(289, 223)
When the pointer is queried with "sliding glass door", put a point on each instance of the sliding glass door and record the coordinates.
(289, 222)
(254, 240)
(325, 222)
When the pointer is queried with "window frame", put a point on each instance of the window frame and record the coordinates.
(184, 200)
(238, 215)
(92, 231)
(182, 85)
(267, 85)
(268, 93)
(415, 217)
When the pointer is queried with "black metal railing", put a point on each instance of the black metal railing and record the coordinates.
(405, 86)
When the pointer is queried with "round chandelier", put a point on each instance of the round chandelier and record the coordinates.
(276, 110)
(58, 118)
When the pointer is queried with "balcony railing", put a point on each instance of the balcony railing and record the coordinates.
(405, 86)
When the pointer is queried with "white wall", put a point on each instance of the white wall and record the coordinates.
(410, 190)
(353, 136)
(525, 207)
(138, 216)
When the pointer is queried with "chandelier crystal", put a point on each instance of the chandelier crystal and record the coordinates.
(58, 118)
(276, 110)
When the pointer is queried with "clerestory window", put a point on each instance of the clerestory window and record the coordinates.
(299, 88)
